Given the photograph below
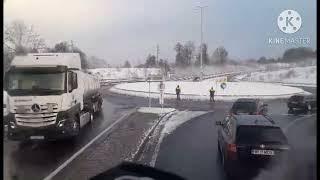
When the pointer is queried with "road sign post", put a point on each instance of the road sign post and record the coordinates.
(148, 79)
(161, 97)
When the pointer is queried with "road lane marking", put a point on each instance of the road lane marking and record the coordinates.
(63, 165)
(157, 149)
(285, 129)
(148, 133)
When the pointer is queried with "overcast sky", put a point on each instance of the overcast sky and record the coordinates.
(119, 30)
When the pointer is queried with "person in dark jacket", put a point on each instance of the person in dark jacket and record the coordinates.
(178, 91)
(212, 91)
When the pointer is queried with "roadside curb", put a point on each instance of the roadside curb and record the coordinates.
(141, 147)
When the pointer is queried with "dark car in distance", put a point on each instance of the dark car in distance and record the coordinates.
(249, 106)
(301, 102)
(249, 142)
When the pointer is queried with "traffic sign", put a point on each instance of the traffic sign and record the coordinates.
(223, 85)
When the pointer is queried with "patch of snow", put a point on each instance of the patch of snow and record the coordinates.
(178, 119)
(155, 110)
(124, 73)
(297, 75)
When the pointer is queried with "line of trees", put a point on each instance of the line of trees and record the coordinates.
(185, 53)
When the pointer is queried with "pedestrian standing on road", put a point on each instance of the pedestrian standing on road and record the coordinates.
(212, 91)
(178, 91)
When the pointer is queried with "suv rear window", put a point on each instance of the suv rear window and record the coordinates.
(260, 134)
(296, 98)
(244, 107)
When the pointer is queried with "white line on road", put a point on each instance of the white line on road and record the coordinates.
(157, 148)
(63, 165)
(285, 129)
(148, 133)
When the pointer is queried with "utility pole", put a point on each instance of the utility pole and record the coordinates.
(201, 41)
(71, 46)
(157, 55)
(157, 52)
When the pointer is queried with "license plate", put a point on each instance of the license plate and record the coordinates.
(262, 152)
(36, 137)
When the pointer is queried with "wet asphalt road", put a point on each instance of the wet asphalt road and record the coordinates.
(36, 160)
(191, 150)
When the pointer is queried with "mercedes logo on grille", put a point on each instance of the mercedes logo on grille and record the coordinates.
(262, 146)
(35, 108)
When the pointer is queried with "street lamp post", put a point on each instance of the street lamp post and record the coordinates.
(201, 41)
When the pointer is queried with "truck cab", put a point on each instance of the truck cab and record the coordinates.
(49, 97)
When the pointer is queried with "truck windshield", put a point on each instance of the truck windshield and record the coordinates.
(22, 83)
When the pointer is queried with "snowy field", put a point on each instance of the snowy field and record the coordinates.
(297, 75)
(200, 90)
(125, 73)
(193, 70)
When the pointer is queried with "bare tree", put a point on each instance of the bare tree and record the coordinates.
(220, 55)
(187, 52)
(22, 38)
(127, 64)
(205, 56)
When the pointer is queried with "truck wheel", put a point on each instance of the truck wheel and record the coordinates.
(76, 127)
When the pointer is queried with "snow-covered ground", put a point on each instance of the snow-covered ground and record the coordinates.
(125, 73)
(200, 90)
(194, 70)
(297, 75)
(177, 119)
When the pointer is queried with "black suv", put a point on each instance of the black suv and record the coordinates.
(249, 106)
(249, 142)
(300, 102)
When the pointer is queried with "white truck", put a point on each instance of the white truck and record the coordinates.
(49, 97)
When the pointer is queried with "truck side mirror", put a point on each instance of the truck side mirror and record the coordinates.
(72, 81)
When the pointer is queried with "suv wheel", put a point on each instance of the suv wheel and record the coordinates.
(76, 126)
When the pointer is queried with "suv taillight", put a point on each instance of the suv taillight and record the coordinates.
(232, 151)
